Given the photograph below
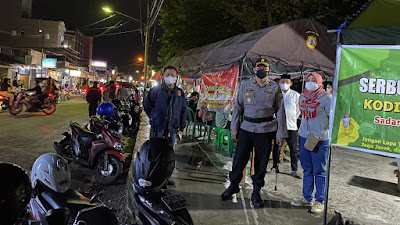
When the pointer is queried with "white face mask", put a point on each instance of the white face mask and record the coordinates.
(311, 86)
(285, 86)
(329, 90)
(170, 80)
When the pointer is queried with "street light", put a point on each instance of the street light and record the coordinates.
(142, 77)
(146, 34)
(137, 71)
(109, 10)
(140, 59)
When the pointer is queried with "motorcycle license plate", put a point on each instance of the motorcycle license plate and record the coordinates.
(174, 202)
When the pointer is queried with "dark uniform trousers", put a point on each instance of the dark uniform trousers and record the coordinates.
(262, 145)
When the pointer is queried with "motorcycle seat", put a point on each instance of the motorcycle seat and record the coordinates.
(84, 132)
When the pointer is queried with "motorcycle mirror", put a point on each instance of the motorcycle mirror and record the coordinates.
(96, 196)
(58, 216)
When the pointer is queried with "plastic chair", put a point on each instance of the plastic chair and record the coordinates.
(226, 142)
(209, 126)
(189, 121)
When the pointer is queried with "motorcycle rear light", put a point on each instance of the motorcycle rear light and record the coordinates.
(101, 88)
(1, 97)
(117, 86)
(50, 95)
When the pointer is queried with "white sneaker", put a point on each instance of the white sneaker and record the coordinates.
(318, 207)
(301, 202)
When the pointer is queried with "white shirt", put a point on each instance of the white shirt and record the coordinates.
(292, 108)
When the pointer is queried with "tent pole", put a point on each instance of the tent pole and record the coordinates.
(302, 75)
(327, 184)
(329, 163)
(241, 70)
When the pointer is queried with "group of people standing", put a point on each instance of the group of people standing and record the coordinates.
(264, 112)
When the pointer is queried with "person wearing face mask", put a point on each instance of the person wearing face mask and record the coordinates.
(292, 111)
(165, 105)
(257, 101)
(315, 105)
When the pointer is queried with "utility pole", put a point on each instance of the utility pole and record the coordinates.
(146, 49)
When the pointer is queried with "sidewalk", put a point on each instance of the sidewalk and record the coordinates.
(363, 189)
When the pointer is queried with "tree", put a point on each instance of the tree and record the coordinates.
(193, 23)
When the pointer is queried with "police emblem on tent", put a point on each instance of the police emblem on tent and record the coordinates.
(312, 39)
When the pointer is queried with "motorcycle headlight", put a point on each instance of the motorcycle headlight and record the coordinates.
(118, 146)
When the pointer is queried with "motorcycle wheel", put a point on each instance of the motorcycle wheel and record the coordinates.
(15, 110)
(114, 164)
(49, 108)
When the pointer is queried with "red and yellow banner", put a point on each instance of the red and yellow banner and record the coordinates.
(218, 90)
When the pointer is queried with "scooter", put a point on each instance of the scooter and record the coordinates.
(75, 208)
(148, 201)
(101, 152)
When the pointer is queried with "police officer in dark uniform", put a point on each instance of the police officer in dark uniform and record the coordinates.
(257, 101)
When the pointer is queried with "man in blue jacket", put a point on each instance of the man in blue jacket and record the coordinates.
(165, 105)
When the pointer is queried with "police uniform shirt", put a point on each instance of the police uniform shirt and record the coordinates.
(254, 101)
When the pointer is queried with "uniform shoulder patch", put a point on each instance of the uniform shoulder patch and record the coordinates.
(179, 92)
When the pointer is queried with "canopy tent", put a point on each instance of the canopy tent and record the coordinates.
(290, 48)
(375, 23)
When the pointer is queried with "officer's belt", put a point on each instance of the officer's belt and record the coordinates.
(258, 120)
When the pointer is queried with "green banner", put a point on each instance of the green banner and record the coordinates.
(367, 94)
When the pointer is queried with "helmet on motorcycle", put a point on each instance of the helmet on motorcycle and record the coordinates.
(106, 110)
(52, 171)
(153, 165)
(15, 193)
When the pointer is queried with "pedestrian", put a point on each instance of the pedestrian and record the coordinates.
(109, 92)
(315, 105)
(292, 112)
(93, 97)
(194, 98)
(122, 93)
(165, 105)
(257, 101)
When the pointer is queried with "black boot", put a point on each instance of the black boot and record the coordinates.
(232, 189)
(256, 198)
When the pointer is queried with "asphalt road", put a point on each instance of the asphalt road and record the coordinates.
(25, 137)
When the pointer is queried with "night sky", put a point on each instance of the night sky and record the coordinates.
(119, 50)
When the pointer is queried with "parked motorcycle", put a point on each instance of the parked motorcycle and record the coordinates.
(148, 203)
(101, 152)
(51, 192)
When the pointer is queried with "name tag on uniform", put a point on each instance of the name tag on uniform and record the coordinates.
(247, 94)
(268, 96)
(250, 87)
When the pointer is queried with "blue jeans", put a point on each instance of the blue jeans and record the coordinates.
(314, 166)
(172, 136)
